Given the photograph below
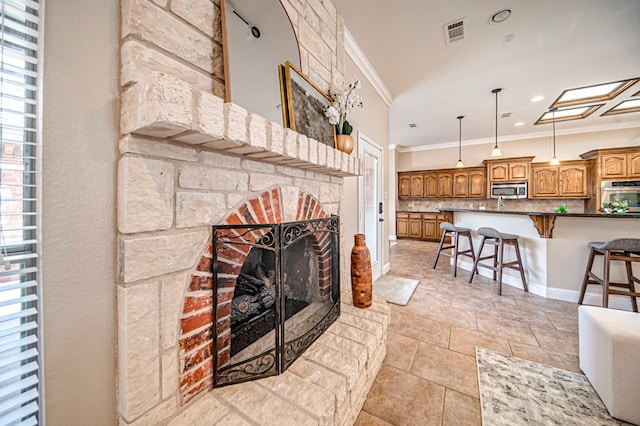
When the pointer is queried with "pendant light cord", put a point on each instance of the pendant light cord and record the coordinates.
(553, 120)
(460, 137)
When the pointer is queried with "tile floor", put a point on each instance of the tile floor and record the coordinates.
(429, 376)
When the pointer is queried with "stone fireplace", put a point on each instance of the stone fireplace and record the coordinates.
(189, 164)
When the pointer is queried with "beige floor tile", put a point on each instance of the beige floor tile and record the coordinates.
(447, 368)
(564, 322)
(465, 341)
(518, 331)
(401, 351)
(544, 356)
(366, 419)
(400, 398)
(557, 340)
(422, 329)
(432, 341)
(453, 316)
(461, 410)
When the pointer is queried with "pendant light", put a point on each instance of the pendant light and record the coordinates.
(496, 152)
(554, 161)
(460, 163)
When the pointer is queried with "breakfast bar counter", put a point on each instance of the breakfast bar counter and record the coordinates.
(554, 247)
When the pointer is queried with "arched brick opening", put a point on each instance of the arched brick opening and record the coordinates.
(196, 337)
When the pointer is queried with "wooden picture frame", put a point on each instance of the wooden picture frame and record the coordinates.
(303, 106)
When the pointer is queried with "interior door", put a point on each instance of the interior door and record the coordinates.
(371, 217)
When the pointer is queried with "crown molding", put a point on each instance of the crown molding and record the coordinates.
(514, 138)
(357, 55)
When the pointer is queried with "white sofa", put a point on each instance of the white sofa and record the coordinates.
(610, 358)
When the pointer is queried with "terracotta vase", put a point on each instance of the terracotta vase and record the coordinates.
(361, 280)
(344, 143)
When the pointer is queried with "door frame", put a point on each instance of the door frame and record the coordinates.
(378, 268)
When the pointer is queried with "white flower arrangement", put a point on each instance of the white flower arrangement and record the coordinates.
(618, 205)
(343, 100)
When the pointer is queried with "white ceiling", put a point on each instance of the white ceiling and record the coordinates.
(555, 45)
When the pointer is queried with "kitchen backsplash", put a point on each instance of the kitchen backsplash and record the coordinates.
(573, 206)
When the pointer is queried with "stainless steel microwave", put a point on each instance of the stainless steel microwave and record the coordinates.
(509, 190)
(627, 189)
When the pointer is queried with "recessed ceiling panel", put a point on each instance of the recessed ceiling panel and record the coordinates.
(594, 93)
(568, 114)
(631, 105)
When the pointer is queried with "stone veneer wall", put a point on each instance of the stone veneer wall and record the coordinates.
(187, 162)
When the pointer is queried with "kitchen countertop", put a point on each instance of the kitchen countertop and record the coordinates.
(635, 215)
(418, 211)
(543, 221)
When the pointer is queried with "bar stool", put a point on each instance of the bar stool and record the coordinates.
(625, 250)
(498, 240)
(456, 232)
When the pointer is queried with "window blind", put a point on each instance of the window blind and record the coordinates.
(20, 359)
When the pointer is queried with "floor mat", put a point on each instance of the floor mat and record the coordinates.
(393, 289)
(514, 391)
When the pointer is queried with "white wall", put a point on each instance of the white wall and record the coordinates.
(79, 137)
(373, 121)
(568, 147)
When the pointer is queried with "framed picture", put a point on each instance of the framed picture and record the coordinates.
(303, 106)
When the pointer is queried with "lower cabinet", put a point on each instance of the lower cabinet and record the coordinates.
(419, 226)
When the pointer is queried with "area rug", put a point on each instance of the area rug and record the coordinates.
(514, 391)
(393, 289)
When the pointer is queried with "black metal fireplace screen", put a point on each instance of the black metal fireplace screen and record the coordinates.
(277, 289)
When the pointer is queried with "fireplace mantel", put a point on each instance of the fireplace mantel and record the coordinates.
(164, 107)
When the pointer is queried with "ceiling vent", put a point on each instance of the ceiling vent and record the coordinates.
(505, 115)
(455, 31)
(413, 125)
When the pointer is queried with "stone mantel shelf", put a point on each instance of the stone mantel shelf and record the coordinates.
(164, 107)
(543, 221)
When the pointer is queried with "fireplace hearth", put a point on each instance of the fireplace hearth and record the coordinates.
(276, 289)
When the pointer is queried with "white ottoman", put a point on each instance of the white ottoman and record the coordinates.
(610, 358)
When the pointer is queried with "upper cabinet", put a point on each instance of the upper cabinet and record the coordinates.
(469, 182)
(633, 165)
(616, 163)
(404, 185)
(417, 186)
(613, 166)
(508, 169)
(570, 179)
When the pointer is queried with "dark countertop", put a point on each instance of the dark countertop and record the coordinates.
(635, 215)
(418, 211)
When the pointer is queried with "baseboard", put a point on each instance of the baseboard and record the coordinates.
(386, 268)
(615, 301)
(393, 237)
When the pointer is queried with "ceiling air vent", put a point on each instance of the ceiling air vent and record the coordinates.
(455, 31)
(505, 115)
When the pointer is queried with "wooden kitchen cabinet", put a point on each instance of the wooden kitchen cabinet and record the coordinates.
(478, 183)
(508, 169)
(445, 185)
(429, 226)
(419, 226)
(633, 165)
(570, 179)
(470, 183)
(431, 185)
(402, 225)
(613, 166)
(404, 186)
(461, 184)
(417, 186)
(544, 182)
(574, 180)
(610, 164)
(415, 225)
